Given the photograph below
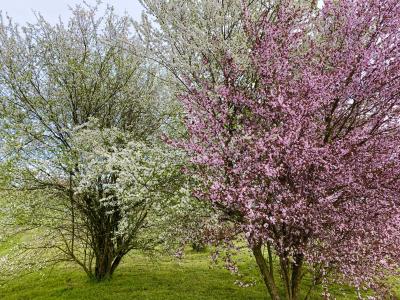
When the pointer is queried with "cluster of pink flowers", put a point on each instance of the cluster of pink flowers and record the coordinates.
(300, 146)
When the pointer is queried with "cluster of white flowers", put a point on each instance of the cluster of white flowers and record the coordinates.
(128, 176)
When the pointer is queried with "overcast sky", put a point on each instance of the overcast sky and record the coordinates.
(22, 11)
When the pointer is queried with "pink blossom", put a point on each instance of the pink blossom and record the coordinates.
(309, 136)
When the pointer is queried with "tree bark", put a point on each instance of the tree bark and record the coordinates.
(102, 269)
(296, 275)
(106, 264)
(285, 272)
(265, 272)
(291, 275)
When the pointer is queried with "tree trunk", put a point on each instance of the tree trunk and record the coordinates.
(266, 272)
(105, 265)
(102, 269)
(291, 275)
(296, 276)
(104, 253)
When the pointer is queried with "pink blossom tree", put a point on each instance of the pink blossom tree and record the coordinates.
(300, 144)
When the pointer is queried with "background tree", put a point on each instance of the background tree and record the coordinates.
(297, 140)
(190, 38)
(82, 116)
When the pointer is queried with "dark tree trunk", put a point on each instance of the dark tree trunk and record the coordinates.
(266, 273)
(296, 276)
(102, 269)
(104, 256)
(106, 263)
(107, 248)
(291, 275)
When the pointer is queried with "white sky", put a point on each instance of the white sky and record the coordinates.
(22, 11)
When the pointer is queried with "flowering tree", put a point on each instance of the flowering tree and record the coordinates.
(298, 142)
(191, 37)
(180, 36)
(123, 186)
(82, 117)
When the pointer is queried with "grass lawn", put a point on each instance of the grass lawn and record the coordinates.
(137, 278)
(141, 278)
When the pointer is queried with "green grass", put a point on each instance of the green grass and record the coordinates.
(140, 277)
